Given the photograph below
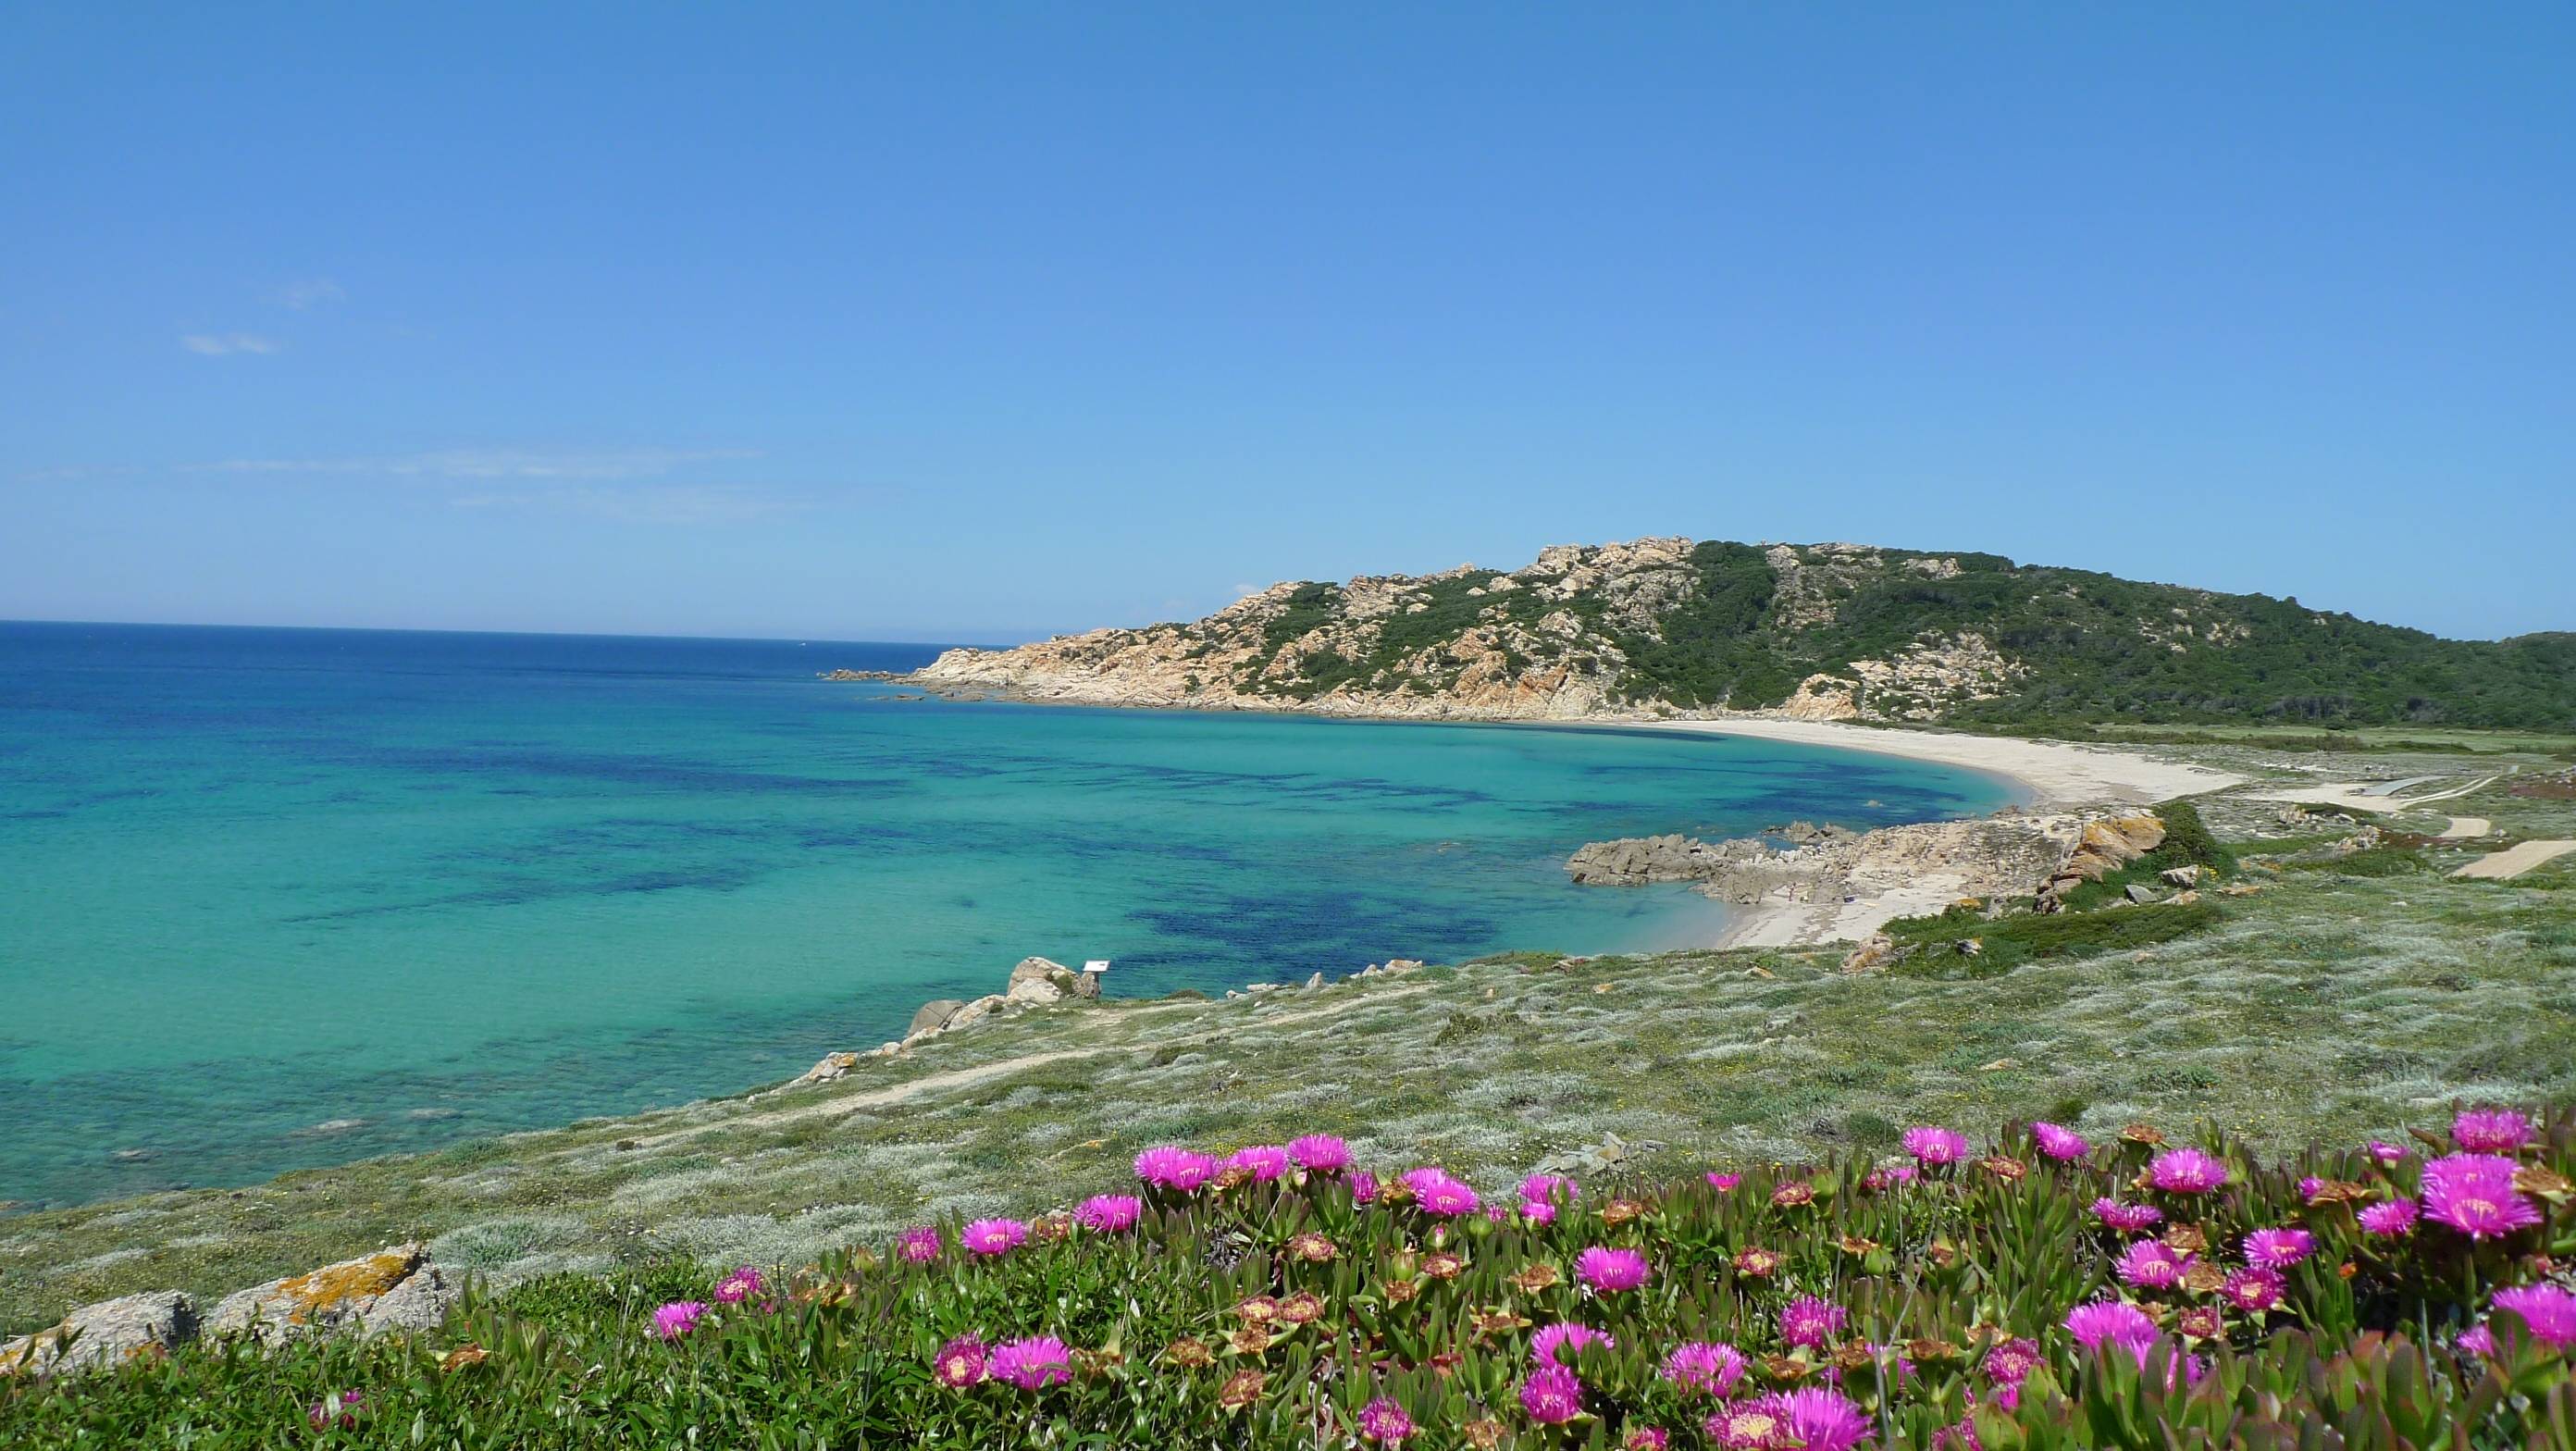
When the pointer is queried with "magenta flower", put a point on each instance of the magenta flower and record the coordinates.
(1810, 1321)
(2059, 1142)
(2308, 1187)
(1565, 1339)
(1646, 1438)
(2111, 1322)
(1435, 1193)
(341, 1410)
(2007, 1364)
(1747, 1426)
(1887, 1176)
(2255, 1289)
(1724, 1183)
(1549, 1189)
(1933, 1146)
(1172, 1167)
(1032, 1364)
(1818, 1419)
(961, 1363)
(2490, 1131)
(1266, 1161)
(1610, 1271)
(1109, 1213)
(1363, 1187)
(2150, 1264)
(1320, 1153)
(739, 1286)
(1706, 1367)
(2127, 1218)
(678, 1318)
(919, 1244)
(1384, 1422)
(2389, 1220)
(2473, 1193)
(2386, 1153)
(2186, 1171)
(2547, 1309)
(993, 1236)
(1538, 1211)
(1552, 1395)
(2279, 1249)
(2478, 1340)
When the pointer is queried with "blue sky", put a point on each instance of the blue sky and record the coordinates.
(963, 322)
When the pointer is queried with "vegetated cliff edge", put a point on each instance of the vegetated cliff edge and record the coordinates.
(1824, 632)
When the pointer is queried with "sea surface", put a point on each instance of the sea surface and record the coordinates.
(278, 898)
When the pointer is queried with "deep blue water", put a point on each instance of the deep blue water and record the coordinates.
(417, 887)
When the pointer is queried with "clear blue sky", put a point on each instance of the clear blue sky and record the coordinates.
(963, 322)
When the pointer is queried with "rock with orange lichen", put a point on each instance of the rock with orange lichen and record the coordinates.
(391, 1289)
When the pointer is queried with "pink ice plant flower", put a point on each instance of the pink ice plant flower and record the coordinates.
(1436, 1194)
(1538, 1211)
(1933, 1146)
(2059, 1142)
(2278, 1249)
(2009, 1363)
(2255, 1289)
(1320, 1153)
(1109, 1213)
(739, 1286)
(1724, 1183)
(2127, 1218)
(1034, 1363)
(678, 1318)
(2186, 1171)
(1552, 1395)
(2386, 1153)
(1565, 1338)
(1384, 1423)
(1610, 1271)
(1363, 1186)
(960, 1363)
(2110, 1322)
(2474, 1194)
(1646, 1438)
(1750, 1425)
(1549, 1189)
(2490, 1131)
(2548, 1310)
(1266, 1161)
(1169, 1166)
(919, 1244)
(1810, 1321)
(1706, 1367)
(2389, 1220)
(1818, 1419)
(2150, 1264)
(993, 1236)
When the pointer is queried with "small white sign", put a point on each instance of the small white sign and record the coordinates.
(1097, 964)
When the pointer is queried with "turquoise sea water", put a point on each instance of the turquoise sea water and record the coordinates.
(281, 898)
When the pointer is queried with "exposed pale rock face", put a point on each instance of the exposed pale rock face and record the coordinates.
(1345, 649)
(391, 1289)
(106, 1334)
(1994, 856)
(1038, 981)
(832, 1068)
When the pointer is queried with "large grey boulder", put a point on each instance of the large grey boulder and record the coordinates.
(391, 1288)
(108, 1333)
(932, 1016)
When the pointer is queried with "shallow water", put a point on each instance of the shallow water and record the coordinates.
(282, 898)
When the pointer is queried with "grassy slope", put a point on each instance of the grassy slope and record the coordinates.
(2329, 1005)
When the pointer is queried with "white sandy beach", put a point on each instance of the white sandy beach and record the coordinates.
(2057, 777)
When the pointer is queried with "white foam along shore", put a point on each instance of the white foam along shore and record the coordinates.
(2056, 776)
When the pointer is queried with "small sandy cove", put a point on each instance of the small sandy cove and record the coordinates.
(2056, 777)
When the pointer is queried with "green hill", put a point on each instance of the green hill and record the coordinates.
(1828, 631)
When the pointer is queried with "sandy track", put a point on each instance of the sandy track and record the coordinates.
(2463, 827)
(2513, 861)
